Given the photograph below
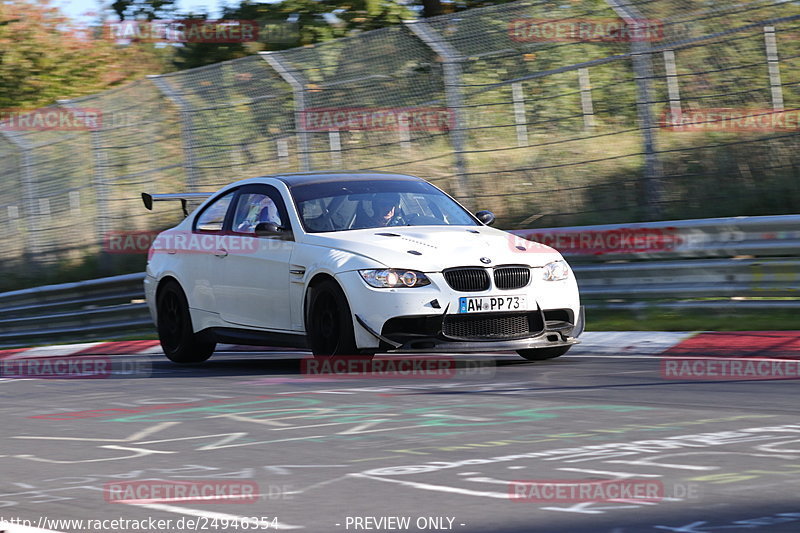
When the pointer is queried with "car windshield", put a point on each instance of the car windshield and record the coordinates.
(360, 204)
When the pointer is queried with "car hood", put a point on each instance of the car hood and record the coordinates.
(434, 248)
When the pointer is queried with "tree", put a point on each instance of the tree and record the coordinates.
(45, 56)
(431, 8)
(143, 9)
(322, 20)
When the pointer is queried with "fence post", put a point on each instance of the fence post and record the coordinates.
(518, 96)
(298, 85)
(30, 200)
(773, 62)
(587, 106)
(187, 135)
(673, 88)
(451, 66)
(641, 57)
(101, 187)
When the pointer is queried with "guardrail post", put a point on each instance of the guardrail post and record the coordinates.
(282, 147)
(187, 135)
(30, 200)
(641, 56)
(518, 96)
(673, 88)
(587, 106)
(296, 81)
(335, 143)
(403, 132)
(451, 67)
(773, 63)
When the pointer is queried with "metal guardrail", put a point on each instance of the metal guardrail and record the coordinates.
(745, 263)
(110, 307)
(766, 236)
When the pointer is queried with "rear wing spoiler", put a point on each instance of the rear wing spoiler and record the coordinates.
(148, 199)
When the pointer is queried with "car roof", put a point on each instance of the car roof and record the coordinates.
(305, 178)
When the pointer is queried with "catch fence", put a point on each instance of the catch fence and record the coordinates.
(549, 114)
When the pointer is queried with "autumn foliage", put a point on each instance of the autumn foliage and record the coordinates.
(45, 56)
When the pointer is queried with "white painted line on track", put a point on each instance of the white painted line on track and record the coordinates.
(436, 488)
(603, 356)
(211, 515)
(682, 357)
(190, 499)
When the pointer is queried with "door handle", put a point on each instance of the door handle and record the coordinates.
(222, 252)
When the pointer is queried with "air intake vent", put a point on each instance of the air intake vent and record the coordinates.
(511, 277)
(491, 326)
(467, 279)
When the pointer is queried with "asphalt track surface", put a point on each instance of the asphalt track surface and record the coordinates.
(328, 453)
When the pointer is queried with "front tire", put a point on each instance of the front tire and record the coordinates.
(329, 323)
(542, 354)
(178, 340)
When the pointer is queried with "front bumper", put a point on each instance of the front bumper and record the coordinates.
(430, 334)
(374, 311)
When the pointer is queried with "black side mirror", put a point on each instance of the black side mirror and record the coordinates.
(270, 229)
(487, 217)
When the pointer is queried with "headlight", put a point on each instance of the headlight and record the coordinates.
(386, 278)
(556, 271)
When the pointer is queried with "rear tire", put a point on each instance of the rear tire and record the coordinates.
(542, 354)
(329, 323)
(178, 340)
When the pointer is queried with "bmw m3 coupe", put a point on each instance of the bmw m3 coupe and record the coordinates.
(351, 263)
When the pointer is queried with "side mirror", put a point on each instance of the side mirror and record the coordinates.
(487, 217)
(270, 229)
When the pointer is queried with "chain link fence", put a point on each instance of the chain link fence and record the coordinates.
(581, 112)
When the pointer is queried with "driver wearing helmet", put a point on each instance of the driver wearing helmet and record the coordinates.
(385, 208)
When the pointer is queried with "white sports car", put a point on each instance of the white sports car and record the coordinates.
(353, 263)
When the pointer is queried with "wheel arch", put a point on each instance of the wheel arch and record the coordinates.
(163, 282)
(315, 280)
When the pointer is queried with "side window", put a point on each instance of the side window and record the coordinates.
(257, 205)
(213, 217)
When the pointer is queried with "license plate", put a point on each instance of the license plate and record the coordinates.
(485, 304)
